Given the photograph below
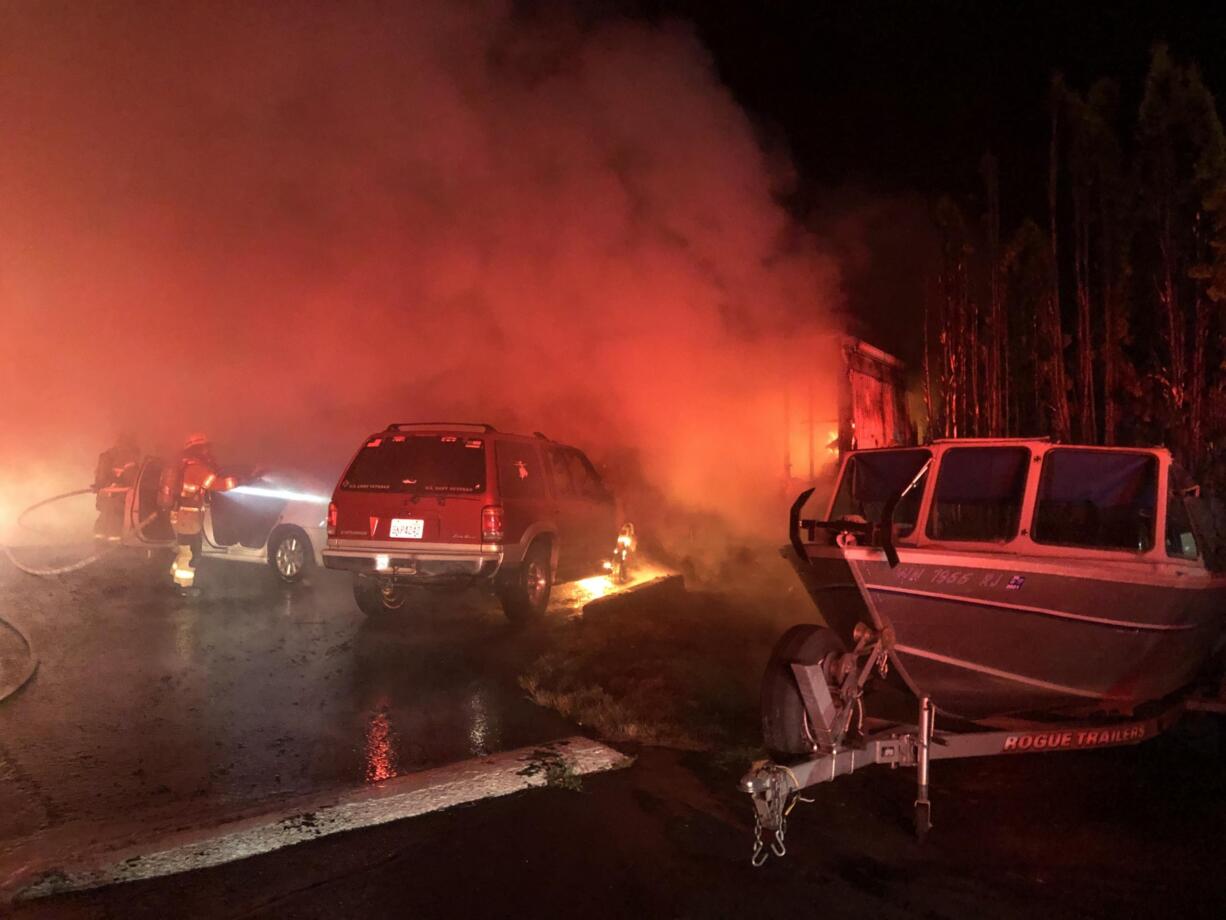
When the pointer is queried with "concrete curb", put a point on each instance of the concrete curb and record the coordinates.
(308, 819)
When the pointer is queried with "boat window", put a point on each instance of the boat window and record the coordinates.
(1208, 517)
(872, 478)
(979, 494)
(1180, 538)
(1097, 498)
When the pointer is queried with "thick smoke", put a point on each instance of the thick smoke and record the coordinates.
(289, 225)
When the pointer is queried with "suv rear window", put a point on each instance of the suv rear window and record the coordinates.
(451, 464)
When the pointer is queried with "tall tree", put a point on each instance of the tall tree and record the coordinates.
(1114, 206)
(996, 376)
(1083, 181)
(1181, 159)
(1026, 274)
(1052, 327)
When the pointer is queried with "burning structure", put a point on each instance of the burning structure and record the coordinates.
(869, 409)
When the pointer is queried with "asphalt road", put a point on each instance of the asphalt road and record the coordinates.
(1097, 834)
(157, 712)
(148, 711)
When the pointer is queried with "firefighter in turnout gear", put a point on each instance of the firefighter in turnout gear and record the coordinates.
(114, 476)
(184, 487)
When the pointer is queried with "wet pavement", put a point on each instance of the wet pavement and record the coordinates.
(153, 712)
(1128, 832)
(162, 713)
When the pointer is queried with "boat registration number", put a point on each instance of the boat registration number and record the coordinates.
(917, 574)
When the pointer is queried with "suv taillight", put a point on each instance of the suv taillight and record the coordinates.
(491, 524)
(332, 519)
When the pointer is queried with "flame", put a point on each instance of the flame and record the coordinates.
(594, 587)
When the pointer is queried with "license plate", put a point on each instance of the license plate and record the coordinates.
(407, 528)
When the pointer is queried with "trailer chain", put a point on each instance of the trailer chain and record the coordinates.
(761, 852)
(777, 802)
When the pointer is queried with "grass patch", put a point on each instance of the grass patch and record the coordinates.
(680, 672)
(555, 768)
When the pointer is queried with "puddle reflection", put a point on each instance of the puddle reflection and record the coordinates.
(380, 751)
(479, 727)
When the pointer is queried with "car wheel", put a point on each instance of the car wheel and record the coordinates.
(785, 724)
(378, 597)
(291, 556)
(527, 595)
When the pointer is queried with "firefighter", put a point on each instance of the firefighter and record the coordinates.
(184, 486)
(114, 476)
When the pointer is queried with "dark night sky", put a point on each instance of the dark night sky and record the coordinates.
(905, 96)
(900, 100)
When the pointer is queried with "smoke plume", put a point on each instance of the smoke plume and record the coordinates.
(288, 225)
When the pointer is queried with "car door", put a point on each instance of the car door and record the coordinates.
(523, 487)
(142, 506)
(569, 508)
(594, 511)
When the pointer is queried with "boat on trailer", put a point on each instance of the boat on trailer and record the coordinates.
(1069, 590)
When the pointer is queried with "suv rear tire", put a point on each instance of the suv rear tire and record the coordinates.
(378, 599)
(526, 595)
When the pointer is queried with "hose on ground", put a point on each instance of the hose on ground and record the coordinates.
(75, 566)
(21, 518)
(11, 683)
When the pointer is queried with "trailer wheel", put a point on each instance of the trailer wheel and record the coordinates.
(784, 721)
(378, 598)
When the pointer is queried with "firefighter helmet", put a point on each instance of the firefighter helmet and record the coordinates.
(196, 440)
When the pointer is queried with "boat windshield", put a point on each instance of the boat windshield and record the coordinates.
(1208, 524)
(1097, 498)
(872, 478)
(979, 494)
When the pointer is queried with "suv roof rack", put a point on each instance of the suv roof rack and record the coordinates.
(458, 426)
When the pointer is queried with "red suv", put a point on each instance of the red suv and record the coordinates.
(444, 504)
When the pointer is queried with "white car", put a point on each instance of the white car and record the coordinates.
(279, 520)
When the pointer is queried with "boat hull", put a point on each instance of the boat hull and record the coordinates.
(986, 636)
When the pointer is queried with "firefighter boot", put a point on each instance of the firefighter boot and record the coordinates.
(183, 571)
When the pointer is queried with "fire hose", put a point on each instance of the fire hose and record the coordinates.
(11, 684)
(75, 566)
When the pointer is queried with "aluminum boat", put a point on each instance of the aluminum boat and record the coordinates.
(1020, 578)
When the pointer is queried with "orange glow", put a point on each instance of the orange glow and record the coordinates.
(247, 267)
(575, 594)
(594, 587)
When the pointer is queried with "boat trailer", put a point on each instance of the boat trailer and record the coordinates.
(839, 750)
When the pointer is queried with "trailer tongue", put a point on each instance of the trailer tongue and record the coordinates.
(775, 788)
